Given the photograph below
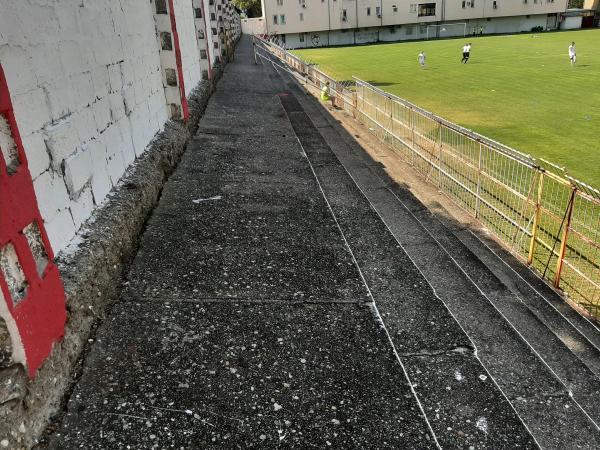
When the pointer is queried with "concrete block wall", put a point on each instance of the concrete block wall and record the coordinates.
(188, 42)
(90, 88)
(85, 82)
(203, 35)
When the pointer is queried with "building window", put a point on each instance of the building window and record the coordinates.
(413, 7)
(427, 9)
(275, 19)
(198, 13)
(495, 5)
(464, 4)
(216, 45)
(282, 19)
(202, 54)
(201, 34)
(212, 16)
(302, 3)
(165, 41)
(344, 15)
(472, 3)
(214, 31)
(301, 37)
(394, 8)
(280, 2)
(378, 11)
(301, 17)
(161, 6)
(368, 11)
(409, 30)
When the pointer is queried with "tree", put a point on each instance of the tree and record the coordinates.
(251, 7)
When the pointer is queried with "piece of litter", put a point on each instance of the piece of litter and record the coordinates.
(482, 424)
(200, 200)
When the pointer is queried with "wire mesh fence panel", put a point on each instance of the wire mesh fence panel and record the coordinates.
(580, 275)
(550, 220)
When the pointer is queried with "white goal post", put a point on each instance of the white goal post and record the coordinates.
(447, 30)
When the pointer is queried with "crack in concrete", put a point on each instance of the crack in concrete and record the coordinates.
(462, 350)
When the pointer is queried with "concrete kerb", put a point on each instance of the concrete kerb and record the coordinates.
(92, 276)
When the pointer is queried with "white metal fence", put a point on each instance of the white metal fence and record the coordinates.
(548, 219)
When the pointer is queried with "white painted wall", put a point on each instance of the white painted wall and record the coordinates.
(327, 15)
(571, 23)
(87, 92)
(254, 26)
(186, 29)
(87, 83)
(411, 31)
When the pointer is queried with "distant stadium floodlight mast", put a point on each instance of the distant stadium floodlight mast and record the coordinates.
(448, 30)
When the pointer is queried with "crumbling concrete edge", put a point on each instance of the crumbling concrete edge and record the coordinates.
(92, 275)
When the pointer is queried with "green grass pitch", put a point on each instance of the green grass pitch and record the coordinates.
(517, 89)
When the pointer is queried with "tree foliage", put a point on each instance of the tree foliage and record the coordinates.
(251, 7)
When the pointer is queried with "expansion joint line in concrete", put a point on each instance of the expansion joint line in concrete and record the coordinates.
(426, 353)
(370, 294)
(254, 301)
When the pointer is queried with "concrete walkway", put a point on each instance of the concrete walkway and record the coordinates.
(252, 314)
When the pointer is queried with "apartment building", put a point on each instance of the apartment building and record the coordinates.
(315, 23)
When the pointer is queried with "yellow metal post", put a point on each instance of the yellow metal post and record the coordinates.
(565, 236)
(536, 218)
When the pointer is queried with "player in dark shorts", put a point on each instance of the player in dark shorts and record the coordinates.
(466, 53)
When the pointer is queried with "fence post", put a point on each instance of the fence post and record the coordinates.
(354, 103)
(565, 236)
(440, 155)
(412, 129)
(536, 218)
(478, 183)
(254, 48)
(412, 136)
(391, 106)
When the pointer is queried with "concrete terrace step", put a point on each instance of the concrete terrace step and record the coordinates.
(456, 392)
(248, 317)
(537, 359)
(528, 285)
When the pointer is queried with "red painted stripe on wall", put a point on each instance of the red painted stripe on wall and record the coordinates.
(178, 62)
(36, 320)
